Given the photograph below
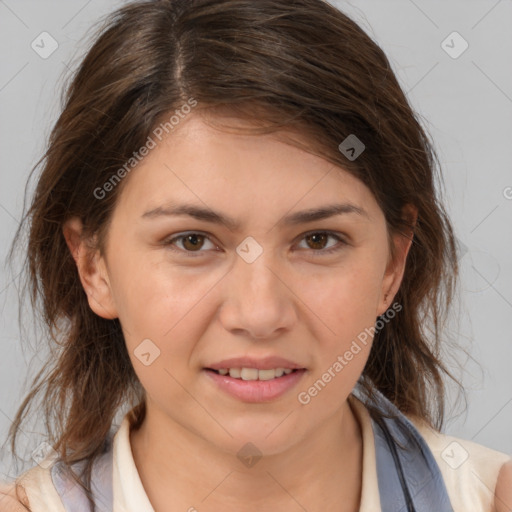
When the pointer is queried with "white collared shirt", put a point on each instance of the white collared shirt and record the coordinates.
(470, 486)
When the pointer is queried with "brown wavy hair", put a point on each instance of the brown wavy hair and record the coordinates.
(302, 66)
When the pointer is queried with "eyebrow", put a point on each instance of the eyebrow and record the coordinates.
(209, 215)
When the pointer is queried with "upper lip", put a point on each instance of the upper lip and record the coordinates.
(262, 363)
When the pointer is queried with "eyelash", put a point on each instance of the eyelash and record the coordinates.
(318, 252)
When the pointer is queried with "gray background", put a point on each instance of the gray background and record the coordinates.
(465, 104)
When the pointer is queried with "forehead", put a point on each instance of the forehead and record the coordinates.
(235, 171)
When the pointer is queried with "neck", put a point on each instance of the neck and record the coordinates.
(321, 471)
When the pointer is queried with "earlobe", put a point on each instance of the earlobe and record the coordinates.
(396, 265)
(91, 270)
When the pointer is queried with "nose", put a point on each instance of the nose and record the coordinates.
(258, 303)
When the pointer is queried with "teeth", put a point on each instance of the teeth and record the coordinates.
(254, 373)
(247, 373)
(234, 372)
(268, 374)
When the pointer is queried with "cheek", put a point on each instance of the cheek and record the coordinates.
(152, 295)
(343, 298)
(162, 314)
(163, 310)
(345, 306)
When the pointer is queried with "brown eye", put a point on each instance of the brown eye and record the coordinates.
(318, 240)
(193, 242)
(190, 243)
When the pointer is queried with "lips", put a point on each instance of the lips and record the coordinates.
(255, 391)
(237, 377)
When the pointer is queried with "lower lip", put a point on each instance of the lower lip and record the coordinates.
(256, 390)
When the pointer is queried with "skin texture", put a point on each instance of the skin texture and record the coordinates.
(292, 301)
(503, 494)
(10, 501)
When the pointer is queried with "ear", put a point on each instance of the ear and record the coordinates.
(91, 268)
(396, 264)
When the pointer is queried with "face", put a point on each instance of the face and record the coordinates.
(192, 292)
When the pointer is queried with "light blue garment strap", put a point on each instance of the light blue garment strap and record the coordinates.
(409, 477)
(73, 496)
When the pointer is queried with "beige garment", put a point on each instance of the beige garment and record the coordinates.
(470, 482)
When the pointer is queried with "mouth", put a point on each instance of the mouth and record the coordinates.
(253, 385)
(251, 374)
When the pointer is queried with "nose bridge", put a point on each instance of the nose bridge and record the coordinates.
(257, 271)
(257, 300)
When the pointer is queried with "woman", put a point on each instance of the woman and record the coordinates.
(262, 335)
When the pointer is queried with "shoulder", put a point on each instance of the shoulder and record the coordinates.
(470, 470)
(12, 499)
(503, 500)
(32, 491)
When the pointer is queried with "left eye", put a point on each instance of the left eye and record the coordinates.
(193, 242)
(320, 237)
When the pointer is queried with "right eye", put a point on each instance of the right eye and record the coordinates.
(191, 242)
